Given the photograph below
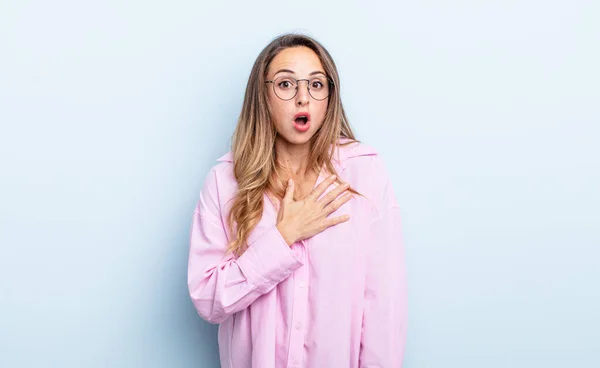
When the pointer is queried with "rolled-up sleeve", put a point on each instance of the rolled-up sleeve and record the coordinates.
(219, 283)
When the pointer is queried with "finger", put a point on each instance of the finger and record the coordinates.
(337, 203)
(333, 194)
(320, 189)
(289, 192)
(335, 221)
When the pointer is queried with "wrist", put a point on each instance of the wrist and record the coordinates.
(286, 234)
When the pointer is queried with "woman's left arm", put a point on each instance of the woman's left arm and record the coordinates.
(385, 312)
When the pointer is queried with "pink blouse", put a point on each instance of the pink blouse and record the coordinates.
(335, 300)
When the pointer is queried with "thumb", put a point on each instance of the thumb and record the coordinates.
(289, 192)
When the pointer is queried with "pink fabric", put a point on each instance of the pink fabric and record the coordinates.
(335, 300)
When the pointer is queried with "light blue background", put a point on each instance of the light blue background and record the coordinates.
(486, 112)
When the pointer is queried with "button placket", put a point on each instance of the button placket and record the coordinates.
(297, 332)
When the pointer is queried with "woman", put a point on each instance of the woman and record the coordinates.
(295, 246)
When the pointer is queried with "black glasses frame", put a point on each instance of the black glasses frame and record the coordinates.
(331, 85)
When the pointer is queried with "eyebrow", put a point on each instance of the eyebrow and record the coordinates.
(293, 72)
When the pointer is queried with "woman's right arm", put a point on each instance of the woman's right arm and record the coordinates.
(220, 284)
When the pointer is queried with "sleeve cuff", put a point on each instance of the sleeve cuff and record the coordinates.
(268, 260)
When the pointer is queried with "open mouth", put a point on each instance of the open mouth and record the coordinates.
(302, 120)
(302, 123)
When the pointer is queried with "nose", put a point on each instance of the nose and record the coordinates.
(302, 97)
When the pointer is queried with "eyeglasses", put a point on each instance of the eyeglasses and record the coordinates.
(286, 87)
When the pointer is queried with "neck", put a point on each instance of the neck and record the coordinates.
(294, 158)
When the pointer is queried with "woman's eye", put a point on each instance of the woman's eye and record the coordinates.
(285, 84)
(317, 85)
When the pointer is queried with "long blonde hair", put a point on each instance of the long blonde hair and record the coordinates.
(253, 143)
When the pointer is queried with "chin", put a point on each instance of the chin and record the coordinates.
(294, 137)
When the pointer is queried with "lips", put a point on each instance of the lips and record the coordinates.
(302, 116)
(302, 121)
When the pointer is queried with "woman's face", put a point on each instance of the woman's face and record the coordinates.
(299, 63)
